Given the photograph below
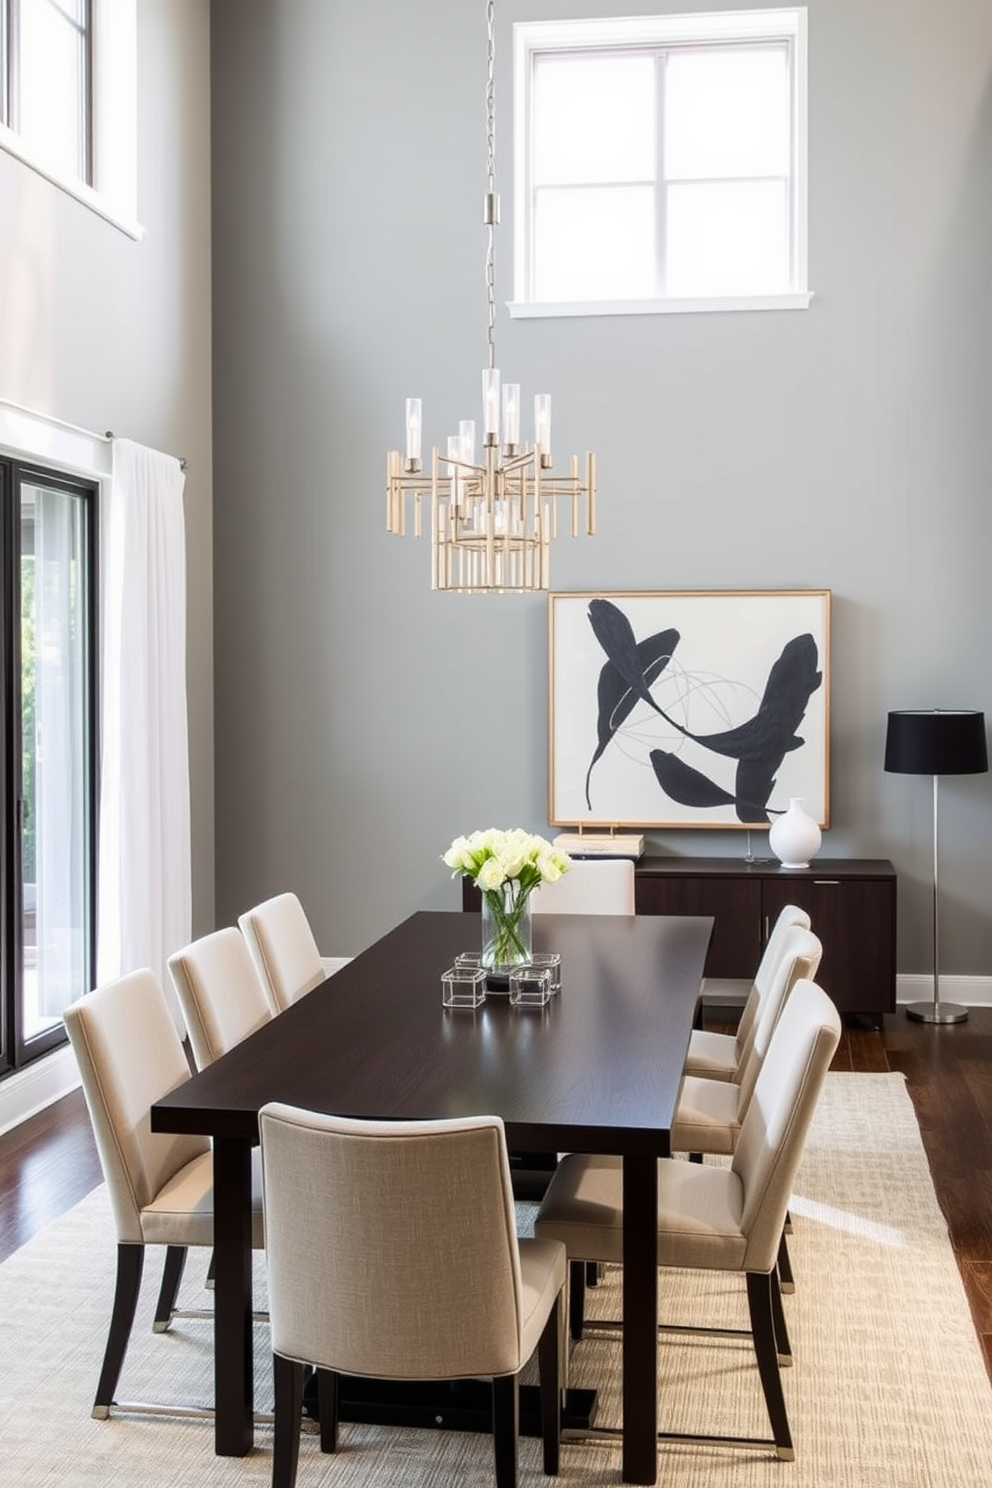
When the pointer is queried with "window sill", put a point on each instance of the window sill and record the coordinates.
(795, 300)
(109, 211)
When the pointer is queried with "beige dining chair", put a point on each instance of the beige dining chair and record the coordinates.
(220, 993)
(392, 1253)
(284, 950)
(161, 1186)
(718, 1056)
(719, 1218)
(710, 1113)
(591, 886)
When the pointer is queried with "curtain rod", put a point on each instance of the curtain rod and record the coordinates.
(183, 462)
(64, 424)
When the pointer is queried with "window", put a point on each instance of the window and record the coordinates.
(47, 92)
(68, 97)
(660, 163)
(47, 750)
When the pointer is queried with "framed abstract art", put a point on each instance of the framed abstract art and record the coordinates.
(688, 708)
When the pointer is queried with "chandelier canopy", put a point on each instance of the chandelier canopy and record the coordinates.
(492, 520)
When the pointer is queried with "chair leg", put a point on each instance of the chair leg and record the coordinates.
(172, 1275)
(782, 1344)
(549, 1369)
(130, 1261)
(328, 1397)
(506, 1427)
(786, 1279)
(576, 1298)
(287, 1379)
(759, 1299)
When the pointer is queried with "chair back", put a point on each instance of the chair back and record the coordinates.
(129, 1056)
(790, 916)
(283, 948)
(799, 960)
(773, 1133)
(591, 886)
(220, 993)
(391, 1247)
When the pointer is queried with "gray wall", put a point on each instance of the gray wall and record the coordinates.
(109, 333)
(362, 721)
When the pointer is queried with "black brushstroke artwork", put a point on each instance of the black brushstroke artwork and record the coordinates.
(629, 673)
(759, 745)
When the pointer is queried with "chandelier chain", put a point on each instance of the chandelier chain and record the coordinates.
(492, 213)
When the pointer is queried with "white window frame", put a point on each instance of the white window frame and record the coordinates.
(114, 193)
(531, 38)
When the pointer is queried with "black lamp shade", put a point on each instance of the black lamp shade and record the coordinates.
(937, 742)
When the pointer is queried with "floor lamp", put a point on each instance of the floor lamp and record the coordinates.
(936, 743)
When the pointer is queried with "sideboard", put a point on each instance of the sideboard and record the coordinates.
(851, 903)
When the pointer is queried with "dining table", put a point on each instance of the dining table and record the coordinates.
(597, 1069)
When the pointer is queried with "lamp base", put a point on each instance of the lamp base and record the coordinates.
(936, 1012)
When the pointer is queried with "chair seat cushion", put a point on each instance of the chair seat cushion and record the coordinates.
(699, 1212)
(714, 1055)
(182, 1212)
(707, 1118)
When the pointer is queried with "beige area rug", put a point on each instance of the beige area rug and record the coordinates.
(888, 1389)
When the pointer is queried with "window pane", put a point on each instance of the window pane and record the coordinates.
(728, 239)
(596, 244)
(55, 773)
(727, 113)
(52, 73)
(593, 119)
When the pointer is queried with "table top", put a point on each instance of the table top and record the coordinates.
(597, 1070)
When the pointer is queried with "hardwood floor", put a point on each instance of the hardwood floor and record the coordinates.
(49, 1163)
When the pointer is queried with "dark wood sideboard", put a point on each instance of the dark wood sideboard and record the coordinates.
(851, 902)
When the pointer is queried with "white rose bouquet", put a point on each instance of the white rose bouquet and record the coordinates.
(506, 867)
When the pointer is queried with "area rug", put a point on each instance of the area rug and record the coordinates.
(888, 1388)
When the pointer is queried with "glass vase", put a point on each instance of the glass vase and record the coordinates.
(506, 927)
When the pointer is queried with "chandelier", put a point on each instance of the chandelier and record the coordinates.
(492, 520)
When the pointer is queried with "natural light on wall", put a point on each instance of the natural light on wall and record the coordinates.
(660, 163)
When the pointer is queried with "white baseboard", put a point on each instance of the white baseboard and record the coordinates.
(38, 1085)
(969, 991)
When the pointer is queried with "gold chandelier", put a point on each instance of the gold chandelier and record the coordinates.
(491, 522)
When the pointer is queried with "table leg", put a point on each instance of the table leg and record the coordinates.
(640, 1319)
(234, 1385)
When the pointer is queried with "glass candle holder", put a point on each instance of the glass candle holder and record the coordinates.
(530, 986)
(463, 987)
(549, 961)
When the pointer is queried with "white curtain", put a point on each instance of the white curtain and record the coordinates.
(144, 895)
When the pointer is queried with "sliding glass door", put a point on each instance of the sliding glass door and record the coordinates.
(48, 751)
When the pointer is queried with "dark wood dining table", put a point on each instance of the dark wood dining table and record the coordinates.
(598, 1069)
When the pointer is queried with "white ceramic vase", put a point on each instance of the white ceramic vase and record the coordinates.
(794, 837)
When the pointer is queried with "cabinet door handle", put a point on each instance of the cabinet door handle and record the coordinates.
(827, 882)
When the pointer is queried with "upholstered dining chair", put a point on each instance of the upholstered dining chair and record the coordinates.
(392, 1253)
(719, 1055)
(284, 950)
(710, 1112)
(161, 1186)
(591, 886)
(719, 1218)
(220, 993)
